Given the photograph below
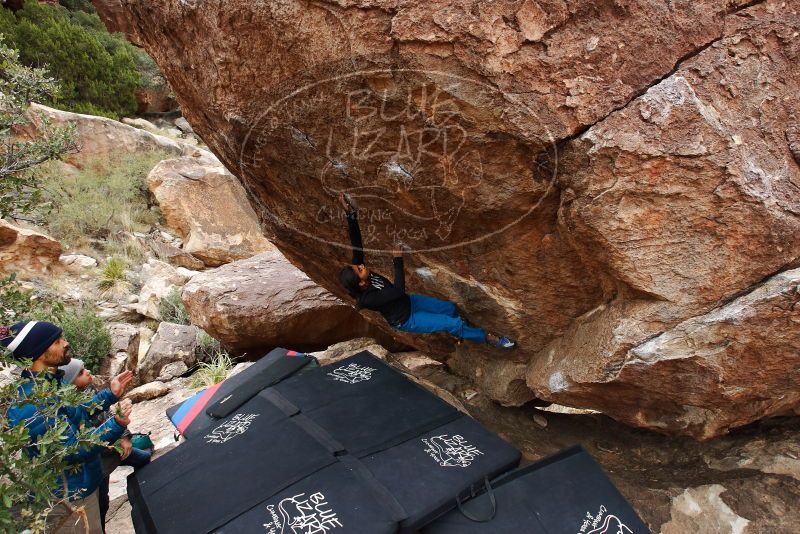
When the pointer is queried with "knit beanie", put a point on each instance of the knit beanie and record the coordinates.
(71, 370)
(29, 339)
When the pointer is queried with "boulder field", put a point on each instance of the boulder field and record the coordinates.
(615, 184)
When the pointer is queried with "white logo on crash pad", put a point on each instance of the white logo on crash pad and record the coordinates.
(452, 451)
(302, 514)
(228, 430)
(603, 523)
(352, 373)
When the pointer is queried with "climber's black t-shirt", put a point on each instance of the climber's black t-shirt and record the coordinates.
(390, 299)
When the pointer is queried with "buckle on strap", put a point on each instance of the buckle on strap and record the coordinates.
(492, 501)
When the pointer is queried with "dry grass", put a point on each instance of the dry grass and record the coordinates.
(105, 199)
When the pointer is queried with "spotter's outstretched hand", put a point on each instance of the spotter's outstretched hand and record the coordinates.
(124, 408)
(119, 382)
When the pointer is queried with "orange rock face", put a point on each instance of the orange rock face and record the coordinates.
(116, 19)
(582, 176)
(26, 253)
(191, 195)
(265, 301)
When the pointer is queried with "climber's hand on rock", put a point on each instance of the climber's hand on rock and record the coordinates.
(348, 203)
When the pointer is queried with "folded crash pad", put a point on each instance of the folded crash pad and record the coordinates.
(365, 404)
(237, 463)
(191, 418)
(341, 498)
(427, 473)
(567, 493)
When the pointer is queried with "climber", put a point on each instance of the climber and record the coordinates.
(408, 313)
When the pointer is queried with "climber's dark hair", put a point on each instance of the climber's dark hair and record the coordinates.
(348, 278)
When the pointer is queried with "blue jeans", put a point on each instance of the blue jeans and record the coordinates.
(430, 315)
(137, 458)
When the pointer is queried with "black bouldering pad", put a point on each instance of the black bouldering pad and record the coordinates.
(340, 499)
(354, 447)
(567, 493)
(191, 418)
(427, 473)
(236, 464)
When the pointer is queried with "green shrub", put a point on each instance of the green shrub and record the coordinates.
(98, 70)
(129, 249)
(207, 346)
(85, 331)
(78, 5)
(107, 197)
(113, 273)
(151, 76)
(214, 371)
(19, 158)
(16, 303)
(172, 309)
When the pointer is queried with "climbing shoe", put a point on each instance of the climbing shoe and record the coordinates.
(501, 342)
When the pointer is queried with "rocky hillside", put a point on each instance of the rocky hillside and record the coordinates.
(133, 219)
(613, 183)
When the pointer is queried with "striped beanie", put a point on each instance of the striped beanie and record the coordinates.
(29, 339)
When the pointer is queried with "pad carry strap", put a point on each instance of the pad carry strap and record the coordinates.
(492, 500)
(280, 402)
(379, 491)
(273, 374)
(319, 434)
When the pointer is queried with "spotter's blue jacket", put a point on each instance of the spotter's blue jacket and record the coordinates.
(85, 472)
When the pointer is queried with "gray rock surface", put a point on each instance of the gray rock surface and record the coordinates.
(171, 343)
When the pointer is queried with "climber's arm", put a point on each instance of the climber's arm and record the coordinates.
(355, 237)
(399, 271)
(351, 209)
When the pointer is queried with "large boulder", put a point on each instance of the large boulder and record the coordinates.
(124, 353)
(687, 201)
(582, 176)
(736, 363)
(100, 136)
(172, 343)
(265, 301)
(27, 252)
(160, 280)
(209, 209)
